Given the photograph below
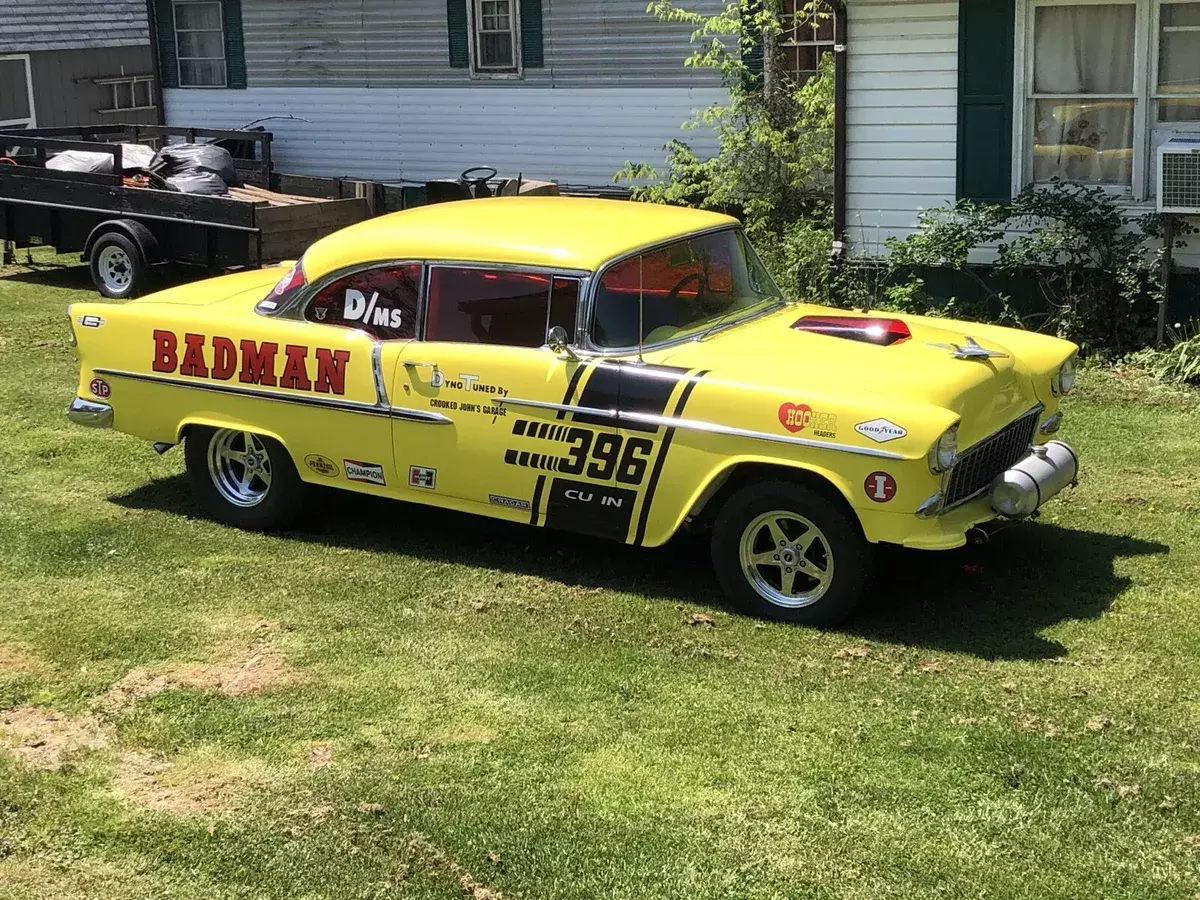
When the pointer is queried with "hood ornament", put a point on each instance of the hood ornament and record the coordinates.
(972, 350)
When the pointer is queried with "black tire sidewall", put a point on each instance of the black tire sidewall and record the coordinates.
(852, 555)
(279, 509)
(141, 272)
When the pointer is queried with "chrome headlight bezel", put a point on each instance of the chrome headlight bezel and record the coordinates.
(1062, 382)
(944, 452)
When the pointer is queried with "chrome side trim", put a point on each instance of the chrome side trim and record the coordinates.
(381, 397)
(90, 414)
(931, 507)
(695, 425)
(396, 412)
(418, 415)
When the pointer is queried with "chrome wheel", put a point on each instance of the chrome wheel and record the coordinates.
(787, 559)
(239, 466)
(115, 268)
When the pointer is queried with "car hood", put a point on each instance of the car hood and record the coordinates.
(986, 393)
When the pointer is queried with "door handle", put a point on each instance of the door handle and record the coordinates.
(413, 364)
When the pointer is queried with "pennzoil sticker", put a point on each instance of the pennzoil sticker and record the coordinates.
(322, 465)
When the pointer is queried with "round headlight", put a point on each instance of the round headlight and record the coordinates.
(944, 453)
(1064, 379)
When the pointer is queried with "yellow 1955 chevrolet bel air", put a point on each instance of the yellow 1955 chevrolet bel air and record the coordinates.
(615, 369)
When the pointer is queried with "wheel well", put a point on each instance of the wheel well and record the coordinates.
(142, 237)
(743, 474)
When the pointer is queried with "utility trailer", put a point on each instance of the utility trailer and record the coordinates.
(123, 230)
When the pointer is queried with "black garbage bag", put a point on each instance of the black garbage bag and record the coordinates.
(198, 182)
(180, 159)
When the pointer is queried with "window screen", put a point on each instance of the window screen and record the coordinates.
(486, 306)
(382, 302)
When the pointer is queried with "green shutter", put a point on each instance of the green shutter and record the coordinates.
(532, 54)
(168, 63)
(235, 45)
(986, 39)
(456, 26)
(752, 55)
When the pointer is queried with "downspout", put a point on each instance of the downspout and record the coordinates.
(840, 68)
(152, 21)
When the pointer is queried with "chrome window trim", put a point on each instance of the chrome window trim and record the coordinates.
(590, 347)
(370, 409)
(696, 425)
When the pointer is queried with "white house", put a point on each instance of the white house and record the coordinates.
(978, 98)
(421, 89)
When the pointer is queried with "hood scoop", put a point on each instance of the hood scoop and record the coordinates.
(864, 329)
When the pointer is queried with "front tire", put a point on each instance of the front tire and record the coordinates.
(788, 552)
(243, 479)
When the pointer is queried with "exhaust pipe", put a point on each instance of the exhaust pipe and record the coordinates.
(161, 447)
(1018, 492)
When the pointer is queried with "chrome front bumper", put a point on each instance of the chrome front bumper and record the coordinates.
(90, 413)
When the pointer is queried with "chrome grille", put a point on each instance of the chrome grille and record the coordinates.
(978, 467)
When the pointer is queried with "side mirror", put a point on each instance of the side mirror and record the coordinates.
(557, 341)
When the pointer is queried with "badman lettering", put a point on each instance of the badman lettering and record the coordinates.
(219, 358)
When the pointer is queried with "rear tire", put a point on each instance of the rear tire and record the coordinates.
(244, 479)
(118, 268)
(787, 552)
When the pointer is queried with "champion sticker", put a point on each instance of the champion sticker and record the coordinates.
(366, 472)
(421, 477)
(324, 466)
(99, 388)
(881, 430)
(880, 487)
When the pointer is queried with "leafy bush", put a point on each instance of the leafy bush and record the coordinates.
(1094, 269)
(1180, 363)
(775, 145)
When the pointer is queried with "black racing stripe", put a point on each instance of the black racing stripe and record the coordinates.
(519, 427)
(571, 385)
(602, 391)
(510, 457)
(537, 499)
(660, 462)
(648, 389)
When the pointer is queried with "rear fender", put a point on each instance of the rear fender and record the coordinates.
(142, 236)
(206, 422)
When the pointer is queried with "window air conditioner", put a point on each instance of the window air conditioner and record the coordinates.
(1179, 176)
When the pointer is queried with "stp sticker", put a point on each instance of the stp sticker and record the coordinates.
(421, 477)
(369, 473)
(880, 487)
(99, 388)
(881, 430)
(323, 466)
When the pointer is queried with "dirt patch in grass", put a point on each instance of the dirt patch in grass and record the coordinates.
(320, 754)
(17, 659)
(420, 851)
(236, 670)
(182, 787)
(45, 739)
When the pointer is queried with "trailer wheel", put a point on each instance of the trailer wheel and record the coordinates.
(118, 268)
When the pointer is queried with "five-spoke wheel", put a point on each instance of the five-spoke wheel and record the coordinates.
(775, 545)
(244, 478)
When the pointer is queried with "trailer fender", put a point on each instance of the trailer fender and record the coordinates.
(135, 231)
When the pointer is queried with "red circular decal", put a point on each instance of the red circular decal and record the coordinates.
(880, 487)
(795, 417)
(99, 388)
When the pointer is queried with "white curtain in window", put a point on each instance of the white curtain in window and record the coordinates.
(1084, 49)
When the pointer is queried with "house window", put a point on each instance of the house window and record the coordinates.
(806, 38)
(16, 94)
(1105, 83)
(494, 27)
(200, 43)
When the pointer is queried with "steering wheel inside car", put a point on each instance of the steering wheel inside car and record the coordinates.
(477, 173)
(691, 276)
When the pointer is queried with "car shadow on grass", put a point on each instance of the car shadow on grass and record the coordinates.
(989, 601)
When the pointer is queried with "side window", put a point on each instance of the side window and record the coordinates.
(381, 301)
(490, 306)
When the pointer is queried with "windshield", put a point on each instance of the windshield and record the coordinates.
(686, 288)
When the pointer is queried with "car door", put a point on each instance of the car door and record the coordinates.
(506, 444)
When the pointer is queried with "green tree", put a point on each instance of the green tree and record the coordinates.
(775, 142)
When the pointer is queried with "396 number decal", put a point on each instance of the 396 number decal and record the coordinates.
(603, 456)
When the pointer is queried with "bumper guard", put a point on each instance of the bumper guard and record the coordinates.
(90, 414)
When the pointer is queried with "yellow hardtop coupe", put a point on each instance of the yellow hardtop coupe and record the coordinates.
(610, 368)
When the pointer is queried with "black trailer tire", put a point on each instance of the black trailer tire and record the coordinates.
(787, 552)
(119, 269)
(244, 479)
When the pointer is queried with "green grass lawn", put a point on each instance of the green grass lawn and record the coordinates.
(398, 702)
